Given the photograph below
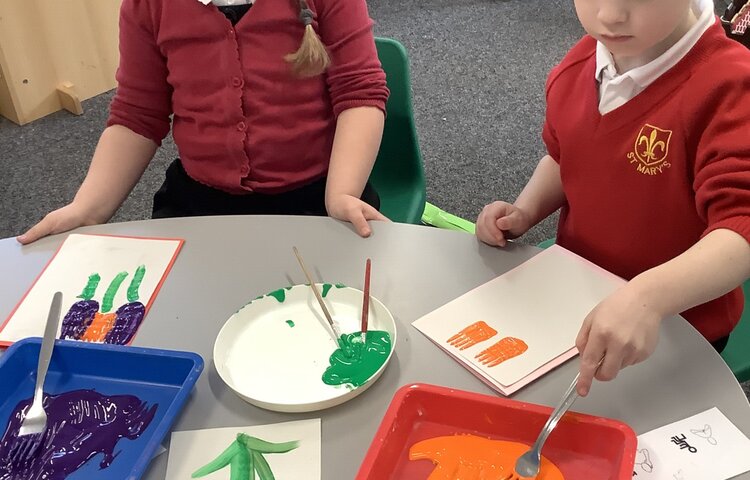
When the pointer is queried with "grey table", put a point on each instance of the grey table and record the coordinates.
(227, 261)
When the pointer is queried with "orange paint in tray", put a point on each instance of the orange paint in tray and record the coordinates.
(437, 433)
(466, 457)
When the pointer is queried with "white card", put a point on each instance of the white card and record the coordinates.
(191, 450)
(69, 272)
(542, 302)
(706, 446)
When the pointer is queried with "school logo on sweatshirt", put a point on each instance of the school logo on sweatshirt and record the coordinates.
(651, 150)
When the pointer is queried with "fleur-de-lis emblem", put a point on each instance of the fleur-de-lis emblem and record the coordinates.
(652, 145)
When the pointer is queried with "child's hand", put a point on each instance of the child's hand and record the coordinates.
(353, 210)
(61, 220)
(499, 222)
(623, 330)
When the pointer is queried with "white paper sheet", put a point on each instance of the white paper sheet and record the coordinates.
(68, 272)
(706, 446)
(542, 302)
(191, 450)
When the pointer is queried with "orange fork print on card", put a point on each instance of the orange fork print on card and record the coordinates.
(471, 335)
(501, 351)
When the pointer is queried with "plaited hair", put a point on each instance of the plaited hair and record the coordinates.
(312, 57)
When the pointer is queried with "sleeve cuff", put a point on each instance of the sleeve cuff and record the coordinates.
(347, 104)
(137, 128)
(738, 224)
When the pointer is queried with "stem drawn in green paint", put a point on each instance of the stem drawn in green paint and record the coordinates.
(135, 283)
(354, 362)
(279, 295)
(109, 297)
(235, 456)
(290, 323)
(90, 288)
(245, 457)
(262, 466)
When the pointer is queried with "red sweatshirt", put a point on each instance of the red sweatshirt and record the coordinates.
(646, 181)
(242, 120)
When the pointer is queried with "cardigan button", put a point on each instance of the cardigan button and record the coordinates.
(244, 170)
(241, 126)
(237, 82)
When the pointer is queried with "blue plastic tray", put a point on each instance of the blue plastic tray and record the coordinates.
(156, 376)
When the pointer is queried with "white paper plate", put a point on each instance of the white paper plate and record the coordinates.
(277, 366)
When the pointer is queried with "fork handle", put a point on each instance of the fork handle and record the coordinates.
(48, 342)
(567, 401)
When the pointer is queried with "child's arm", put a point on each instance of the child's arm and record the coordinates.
(542, 195)
(625, 325)
(357, 87)
(120, 158)
(138, 121)
(355, 146)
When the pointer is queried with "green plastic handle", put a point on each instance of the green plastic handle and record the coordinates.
(440, 218)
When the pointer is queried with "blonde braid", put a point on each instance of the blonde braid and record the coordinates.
(312, 57)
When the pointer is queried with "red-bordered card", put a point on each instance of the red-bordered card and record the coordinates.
(108, 283)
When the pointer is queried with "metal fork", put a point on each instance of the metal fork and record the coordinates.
(31, 432)
(528, 464)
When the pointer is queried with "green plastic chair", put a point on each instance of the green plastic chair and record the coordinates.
(737, 351)
(546, 243)
(398, 174)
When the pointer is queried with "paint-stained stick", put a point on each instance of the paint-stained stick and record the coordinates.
(317, 295)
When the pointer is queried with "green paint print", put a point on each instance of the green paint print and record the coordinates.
(279, 295)
(290, 323)
(354, 362)
(327, 287)
(135, 283)
(90, 289)
(109, 296)
(245, 458)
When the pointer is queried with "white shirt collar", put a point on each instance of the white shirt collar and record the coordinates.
(646, 74)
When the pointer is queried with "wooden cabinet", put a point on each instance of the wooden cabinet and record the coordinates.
(55, 53)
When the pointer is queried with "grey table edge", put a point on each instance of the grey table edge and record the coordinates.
(227, 261)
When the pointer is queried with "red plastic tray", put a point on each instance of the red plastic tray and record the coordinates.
(582, 446)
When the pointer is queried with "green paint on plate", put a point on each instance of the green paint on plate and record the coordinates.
(354, 362)
(279, 295)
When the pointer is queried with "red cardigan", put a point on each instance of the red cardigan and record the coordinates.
(242, 120)
(646, 181)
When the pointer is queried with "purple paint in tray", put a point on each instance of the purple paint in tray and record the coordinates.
(80, 425)
(114, 403)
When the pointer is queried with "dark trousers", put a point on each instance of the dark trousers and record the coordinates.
(720, 344)
(181, 196)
